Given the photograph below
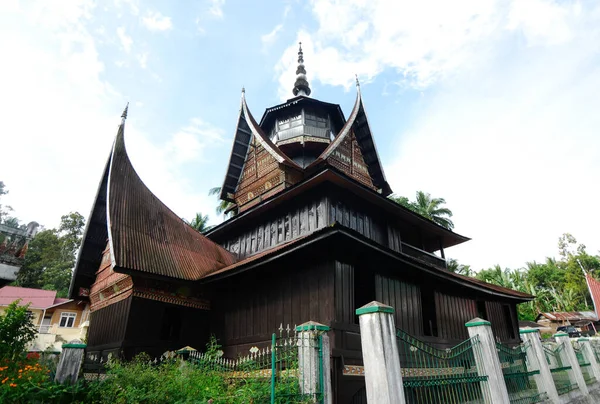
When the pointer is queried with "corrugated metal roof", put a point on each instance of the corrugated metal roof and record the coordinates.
(567, 316)
(338, 227)
(38, 298)
(594, 287)
(146, 236)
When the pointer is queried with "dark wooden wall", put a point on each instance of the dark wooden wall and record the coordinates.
(108, 325)
(452, 314)
(405, 298)
(279, 228)
(247, 309)
(145, 331)
(350, 213)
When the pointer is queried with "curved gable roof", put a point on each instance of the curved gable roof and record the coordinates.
(358, 123)
(246, 129)
(145, 236)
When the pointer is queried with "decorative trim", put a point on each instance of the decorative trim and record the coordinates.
(561, 334)
(353, 370)
(312, 327)
(166, 297)
(583, 339)
(528, 331)
(374, 309)
(477, 323)
(80, 346)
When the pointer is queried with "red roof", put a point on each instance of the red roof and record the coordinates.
(38, 298)
(594, 287)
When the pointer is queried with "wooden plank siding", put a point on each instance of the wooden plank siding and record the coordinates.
(259, 302)
(110, 324)
(285, 226)
(405, 298)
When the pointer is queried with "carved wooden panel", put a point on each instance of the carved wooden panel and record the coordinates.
(348, 158)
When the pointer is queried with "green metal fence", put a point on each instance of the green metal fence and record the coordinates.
(584, 364)
(560, 372)
(432, 375)
(520, 382)
(271, 374)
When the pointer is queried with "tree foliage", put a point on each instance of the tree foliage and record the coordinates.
(558, 285)
(224, 207)
(16, 331)
(200, 223)
(428, 207)
(51, 256)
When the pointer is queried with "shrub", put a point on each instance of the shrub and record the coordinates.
(16, 331)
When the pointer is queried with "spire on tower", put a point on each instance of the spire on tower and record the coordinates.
(301, 86)
(124, 114)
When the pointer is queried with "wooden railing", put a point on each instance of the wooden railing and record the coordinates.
(423, 255)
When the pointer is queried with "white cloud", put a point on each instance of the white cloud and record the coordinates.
(506, 128)
(216, 8)
(64, 116)
(126, 41)
(155, 21)
(269, 39)
(142, 59)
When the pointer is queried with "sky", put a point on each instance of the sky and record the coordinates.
(492, 105)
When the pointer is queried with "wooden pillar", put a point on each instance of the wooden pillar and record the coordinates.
(383, 376)
(488, 363)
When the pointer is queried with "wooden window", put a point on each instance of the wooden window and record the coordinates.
(67, 319)
(508, 320)
(171, 324)
(481, 310)
(430, 328)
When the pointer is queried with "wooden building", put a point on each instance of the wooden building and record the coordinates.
(314, 238)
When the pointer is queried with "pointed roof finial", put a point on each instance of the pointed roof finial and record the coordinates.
(301, 86)
(124, 114)
(243, 90)
(357, 82)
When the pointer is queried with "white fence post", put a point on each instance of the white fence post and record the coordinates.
(588, 353)
(383, 376)
(569, 358)
(314, 360)
(488, 364)
(536, 359)
(70, 362)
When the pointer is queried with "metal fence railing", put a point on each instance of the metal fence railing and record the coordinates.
(584, 364)
(432, 375)
(560, 371)
(519, 379)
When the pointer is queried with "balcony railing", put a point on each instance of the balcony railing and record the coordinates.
(423, 255)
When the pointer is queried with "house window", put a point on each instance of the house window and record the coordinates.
(67, 319)
(481, 310)
(509, 322)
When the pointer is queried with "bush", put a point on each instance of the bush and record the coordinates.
(16, 331)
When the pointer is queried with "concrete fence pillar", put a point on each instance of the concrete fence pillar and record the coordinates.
(488, 364)
(570, 359)
(536, 360)
(383, 376)
(588, 353)
(70, 362)
(314, 360)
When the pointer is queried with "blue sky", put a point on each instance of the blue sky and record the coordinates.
(492, 105)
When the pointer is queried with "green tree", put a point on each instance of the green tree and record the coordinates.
(428, 207)
(16, 331)
(453, 265)
(4, 210)
(200, 223)
(51, 256)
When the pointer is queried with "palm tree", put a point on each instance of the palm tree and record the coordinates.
(223, 206)
(428, 207)
(200, 223)
(432, 209)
